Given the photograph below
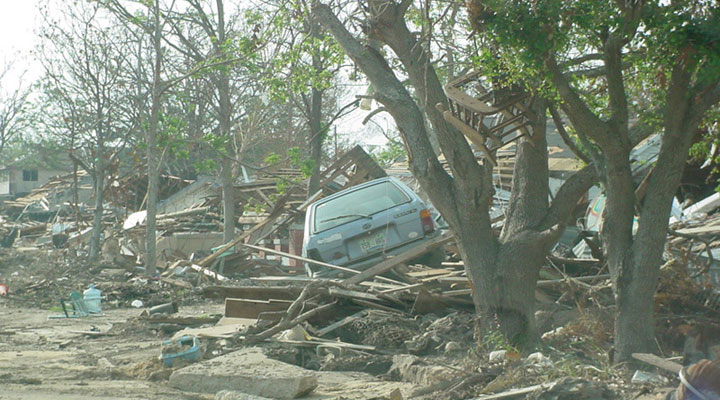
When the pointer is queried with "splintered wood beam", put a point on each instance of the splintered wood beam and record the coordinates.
(314, 262)
(659, 362)
(474, 136)
(275, 214)
(247, 308)
(388, 264)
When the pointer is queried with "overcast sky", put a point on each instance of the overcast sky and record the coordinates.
(18, 19)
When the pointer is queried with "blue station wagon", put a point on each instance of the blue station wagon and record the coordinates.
(362, 225)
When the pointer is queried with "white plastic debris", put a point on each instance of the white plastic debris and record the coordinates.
(539, 359)
(497, 356)
(648, 377)
(137, 303)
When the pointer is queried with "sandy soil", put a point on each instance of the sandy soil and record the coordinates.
(43, 358)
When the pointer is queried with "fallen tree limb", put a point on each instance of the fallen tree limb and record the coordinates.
(287, 324)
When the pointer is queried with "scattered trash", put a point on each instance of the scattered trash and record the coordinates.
(137, 303)
(92, 298)
(640, 377)
(167, 308)
(3, 289)
(186, 348)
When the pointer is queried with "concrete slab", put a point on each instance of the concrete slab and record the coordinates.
(248, 371)
(333, 385)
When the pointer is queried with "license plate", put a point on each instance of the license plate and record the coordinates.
(372, 241)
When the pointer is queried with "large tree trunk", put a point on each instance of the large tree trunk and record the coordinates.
(617, 238)
(225, 111)
(503, 270)
(637, 282)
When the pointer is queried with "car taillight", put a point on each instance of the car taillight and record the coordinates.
(426, 221)
(314, 254)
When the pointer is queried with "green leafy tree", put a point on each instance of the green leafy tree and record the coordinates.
(607, 64)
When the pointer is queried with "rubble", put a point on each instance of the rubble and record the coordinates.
(396, 330)
(247, 370)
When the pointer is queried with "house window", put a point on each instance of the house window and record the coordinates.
(30, 175)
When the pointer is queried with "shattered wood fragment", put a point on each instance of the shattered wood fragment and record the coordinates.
(176, 282)
(170, 319)
(578, 280)
(248, 308)
(289, 320)
(253, 292)
(347, 320)
(515, 392)
(426, 303)
(209, 273)
(308, 260)
(388, 264)
(352, 294)
(275, 214)
(659, 362)
(336, 344)
(377, 306)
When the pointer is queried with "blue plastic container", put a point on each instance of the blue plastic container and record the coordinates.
(193, 352)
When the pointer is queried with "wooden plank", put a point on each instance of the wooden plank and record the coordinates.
(209, 273)
(659, 362)
(700, 230)
(377, 306)
(386, 265)
(213, 332)
(474, 136)
(253, 292)
(353, 294)
(314, 262)
(458, 292)
(400, 289)
(428, 272)
(320, 342)
(515, 392)
(469, 102)
(275, 214)
(176, 282)
(173, 319)
(580, 279)
(245, 308)
(335, 325)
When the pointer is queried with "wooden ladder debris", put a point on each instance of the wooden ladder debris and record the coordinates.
(491, 120)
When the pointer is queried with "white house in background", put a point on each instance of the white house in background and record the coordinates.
(20, 180)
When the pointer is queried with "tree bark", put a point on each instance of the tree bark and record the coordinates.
(503, 271)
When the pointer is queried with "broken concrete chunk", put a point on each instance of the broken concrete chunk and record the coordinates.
(235, 395)
(575, 389)
(408, 368)
(249, 371)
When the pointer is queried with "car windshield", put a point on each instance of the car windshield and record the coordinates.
(358, 204)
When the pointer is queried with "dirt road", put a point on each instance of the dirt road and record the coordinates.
(43, 358)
